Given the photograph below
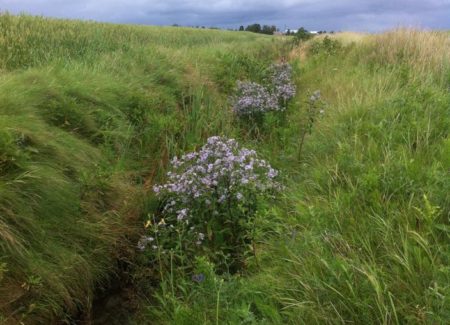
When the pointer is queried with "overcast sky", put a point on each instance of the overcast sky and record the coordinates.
(358, 15)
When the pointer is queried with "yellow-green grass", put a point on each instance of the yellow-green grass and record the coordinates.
(89, 115)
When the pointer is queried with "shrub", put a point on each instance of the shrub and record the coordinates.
(208, 200)
(327, 46)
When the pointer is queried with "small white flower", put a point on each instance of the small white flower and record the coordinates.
(181, 214)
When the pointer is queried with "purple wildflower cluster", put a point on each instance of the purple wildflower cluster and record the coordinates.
(281, 78)
(220, 171)
(253, 98)
(204, 184)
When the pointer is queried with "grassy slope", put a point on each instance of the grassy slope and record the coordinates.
(362, 233)
(88, 114)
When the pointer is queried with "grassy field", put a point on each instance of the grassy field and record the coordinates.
(91, 113)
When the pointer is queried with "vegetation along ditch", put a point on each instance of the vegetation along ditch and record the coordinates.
(166, 175)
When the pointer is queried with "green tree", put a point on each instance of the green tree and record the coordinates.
(302, 34)
(255, 28)
(269, 30)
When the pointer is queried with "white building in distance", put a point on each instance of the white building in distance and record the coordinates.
(294, 31)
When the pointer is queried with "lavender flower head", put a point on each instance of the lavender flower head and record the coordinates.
(253, 98)
(281, 78)
(219, 173)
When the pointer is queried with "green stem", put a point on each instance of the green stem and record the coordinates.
(218, 302)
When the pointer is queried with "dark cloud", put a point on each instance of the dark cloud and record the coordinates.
(363, 15)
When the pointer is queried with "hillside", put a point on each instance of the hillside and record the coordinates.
(91, 115)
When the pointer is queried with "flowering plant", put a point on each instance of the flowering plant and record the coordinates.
(253, 99)
(210, 195)
(281, 80)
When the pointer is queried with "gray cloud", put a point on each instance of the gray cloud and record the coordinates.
(363, 15)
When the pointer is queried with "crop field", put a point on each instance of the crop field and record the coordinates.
(330, 206)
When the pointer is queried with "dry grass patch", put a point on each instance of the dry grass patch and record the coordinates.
(425, 51)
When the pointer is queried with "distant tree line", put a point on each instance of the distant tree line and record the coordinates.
(257, 28)
(304, 35)
(301, 34)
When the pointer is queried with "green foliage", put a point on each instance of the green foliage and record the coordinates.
(302, 35)
(366, 241)
(256, 28)
(325, 46)
(35, 41)
(269, 30)
(202, 296)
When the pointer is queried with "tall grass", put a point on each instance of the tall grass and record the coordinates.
(89, 115)
(33, 41)
(372, 198)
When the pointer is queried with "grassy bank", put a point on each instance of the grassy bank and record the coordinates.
(361, 232)
(89, 114)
